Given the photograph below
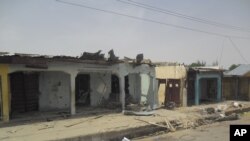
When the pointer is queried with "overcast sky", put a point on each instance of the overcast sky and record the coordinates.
(52, 28)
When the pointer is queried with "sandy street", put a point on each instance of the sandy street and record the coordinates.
(214, 132)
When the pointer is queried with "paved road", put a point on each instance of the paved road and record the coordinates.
(214, 132)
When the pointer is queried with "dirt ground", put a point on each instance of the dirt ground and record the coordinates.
(218, 131)
(67, 127)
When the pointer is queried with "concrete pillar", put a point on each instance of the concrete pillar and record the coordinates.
(181, 91)
(219, 89)
(153, 91)
(72, 94)
(4, 69)
(122, 91)
(197, 90)
(184, 92)
(184, 97)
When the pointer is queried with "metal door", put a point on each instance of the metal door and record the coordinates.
(24, 92)
(173, 91)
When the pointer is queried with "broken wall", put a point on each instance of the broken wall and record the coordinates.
(147, 89)
(54, 90)
(100, 86)
(135, 86)
(141, 84)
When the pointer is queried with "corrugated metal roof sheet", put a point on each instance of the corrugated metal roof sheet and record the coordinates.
(240, 71)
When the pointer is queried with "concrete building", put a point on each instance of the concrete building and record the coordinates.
(172, 83)
(236, 85)
(40, 83)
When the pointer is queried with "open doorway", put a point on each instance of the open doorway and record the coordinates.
(208, 90)
(127, 95)
(24, 87)
(115, 88)
(82, 90)
(133, 90)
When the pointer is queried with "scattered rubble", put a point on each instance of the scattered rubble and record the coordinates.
(170, 126)
(162, 121)
(170, 105)
(237, 105)
(112, 56)
(210, 110)
(92, 56)
(141, 113)
(221, 108)
(139, 58)
(222, 117)
(138, 107)
(232, 116)
(218, 113)
(138, 110)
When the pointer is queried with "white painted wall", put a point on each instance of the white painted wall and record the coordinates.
(54, 90)
(148, 89)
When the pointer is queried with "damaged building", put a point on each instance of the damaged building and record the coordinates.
(35, 83)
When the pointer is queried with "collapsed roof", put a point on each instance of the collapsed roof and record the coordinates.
(90, 58)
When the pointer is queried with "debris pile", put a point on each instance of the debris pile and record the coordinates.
(92, 56)
(218, 113)
(236, 105)
(112, 56)
(170, 105)
(139, 58)
(138, 110)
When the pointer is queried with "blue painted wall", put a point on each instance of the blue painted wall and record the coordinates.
(200, 76)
